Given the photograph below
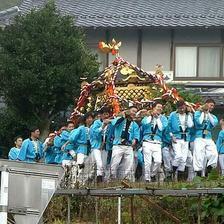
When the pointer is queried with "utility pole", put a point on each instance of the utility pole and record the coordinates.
(69, 211)
(119, 210)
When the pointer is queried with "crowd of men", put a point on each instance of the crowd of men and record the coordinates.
(134, 144)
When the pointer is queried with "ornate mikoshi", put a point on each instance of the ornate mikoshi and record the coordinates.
(122, 84)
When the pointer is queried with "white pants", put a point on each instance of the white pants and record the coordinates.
(135, 161)
(151, 150)
(89, 168)
(167, 155)
(203, 172)
(181, 149)
(80, 158)
(221, 163)
(106, 166)
(204, 162)
(189, 164)
(204, 149)
(100, 157)
(126, 155)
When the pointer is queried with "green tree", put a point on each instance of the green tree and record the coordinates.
(42, 57)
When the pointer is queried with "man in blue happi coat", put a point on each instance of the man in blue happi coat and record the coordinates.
(220, 146)
(14, 152)
(204, 147)
(58, 143)
(98, 139)
(80, 139)
(67, 147)
(49, 149)
(180, 122)
(32, 149)
(152, 129)
(126, 137)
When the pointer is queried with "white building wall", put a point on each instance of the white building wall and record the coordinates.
(93, 37)
(156, 49)
(129, 39)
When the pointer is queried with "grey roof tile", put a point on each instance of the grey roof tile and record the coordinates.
(151, 13)
(7, 15)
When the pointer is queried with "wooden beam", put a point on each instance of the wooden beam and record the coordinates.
(222, 36)
(221, 56)
(172, 50)
(139, 49)
(107, 35)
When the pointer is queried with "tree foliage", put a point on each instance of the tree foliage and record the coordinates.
(42, 57)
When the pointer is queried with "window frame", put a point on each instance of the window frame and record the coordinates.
(197, 77)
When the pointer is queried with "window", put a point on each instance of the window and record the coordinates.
(186, 58)
(209, 62)
(198, 62)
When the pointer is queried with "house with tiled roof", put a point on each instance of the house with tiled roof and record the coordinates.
(7, 15)
(186, 37)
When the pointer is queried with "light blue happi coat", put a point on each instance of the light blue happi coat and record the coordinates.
(79, 138)
(13, 153)
(96, 134)
(166, 138)
(175, 126)
(205, 127)
(27, 152)
(65, 135)
(119, 124)
(57, 147)
(50, 155)
(220, 142)
(147, 129)
(192, 134)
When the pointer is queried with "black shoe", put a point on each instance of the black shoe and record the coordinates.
(174, 176)
(168, 178)
(81, 166)
(208, 170)
(174, 168)
(90, 180)
(181, 176)
(99, 179)
(198, 173)
(153, 179)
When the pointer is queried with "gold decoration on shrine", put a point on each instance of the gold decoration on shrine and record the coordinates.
(112, 47)
(126, 70)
